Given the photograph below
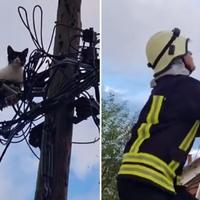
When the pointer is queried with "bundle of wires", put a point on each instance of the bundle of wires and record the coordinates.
(34, 101)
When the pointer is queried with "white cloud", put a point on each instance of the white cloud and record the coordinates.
(113, 90)
(135, 100)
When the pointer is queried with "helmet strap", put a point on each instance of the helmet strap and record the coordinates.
(176, 33)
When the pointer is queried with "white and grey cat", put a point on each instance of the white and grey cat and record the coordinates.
(14, 70)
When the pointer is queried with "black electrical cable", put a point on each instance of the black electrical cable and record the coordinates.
(24, 133)
(3, 141)
(41, 24)
(89, 79)
(97, 139)
(90, 142)
(16, 130)
(94, 117)
(34, 36)
(31, 149)
(34, 26)
(68, 26)
(26, 24)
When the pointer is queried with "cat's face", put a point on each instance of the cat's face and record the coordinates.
(15, 57)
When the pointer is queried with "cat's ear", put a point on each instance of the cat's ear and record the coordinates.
(25, 52)
(9, 49)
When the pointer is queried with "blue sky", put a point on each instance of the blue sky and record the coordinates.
(126, 29)
(86, 189)
(18, 170)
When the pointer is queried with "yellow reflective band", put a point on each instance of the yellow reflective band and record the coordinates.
(152, 118)
(186, 143)
(148, 159)
(155, 109)
(143, 134)
(190, 136)
(149, 174)
(174, 165)
(178, 180)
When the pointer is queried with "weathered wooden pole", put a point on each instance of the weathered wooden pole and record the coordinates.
(53, 172)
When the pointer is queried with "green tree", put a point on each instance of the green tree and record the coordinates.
(116, 125)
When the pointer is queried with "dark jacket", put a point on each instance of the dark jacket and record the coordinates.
(164, 132)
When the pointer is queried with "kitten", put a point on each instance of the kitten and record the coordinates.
(14, 70)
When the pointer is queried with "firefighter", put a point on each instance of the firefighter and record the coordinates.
(167, 125)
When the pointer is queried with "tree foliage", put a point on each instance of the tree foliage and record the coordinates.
(116, 124)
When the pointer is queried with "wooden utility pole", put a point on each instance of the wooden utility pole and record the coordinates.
(53, 172)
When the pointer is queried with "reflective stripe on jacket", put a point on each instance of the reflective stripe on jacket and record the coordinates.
(164, 132)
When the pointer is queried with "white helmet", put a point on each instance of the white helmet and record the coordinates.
(163, 47)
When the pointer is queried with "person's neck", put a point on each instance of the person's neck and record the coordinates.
(175, 69)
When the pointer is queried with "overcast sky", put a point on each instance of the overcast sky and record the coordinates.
(18, 169)
(126, 27)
